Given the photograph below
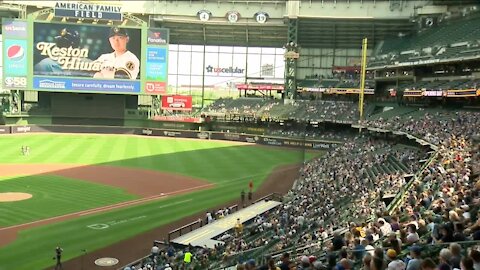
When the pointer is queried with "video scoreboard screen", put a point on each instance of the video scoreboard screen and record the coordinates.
(89, 58)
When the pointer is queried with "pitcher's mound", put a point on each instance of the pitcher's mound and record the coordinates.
(14, 196)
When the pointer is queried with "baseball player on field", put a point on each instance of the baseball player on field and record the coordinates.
(121, 63)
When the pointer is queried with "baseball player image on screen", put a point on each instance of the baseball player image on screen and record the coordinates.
(66, 38)
(121, 63)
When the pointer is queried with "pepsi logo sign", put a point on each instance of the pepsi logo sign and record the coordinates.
(15, 52)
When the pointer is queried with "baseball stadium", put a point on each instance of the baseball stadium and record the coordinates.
(253, 135)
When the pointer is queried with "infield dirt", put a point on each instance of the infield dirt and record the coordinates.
(14, 196)
(150, 185)
(280, 181)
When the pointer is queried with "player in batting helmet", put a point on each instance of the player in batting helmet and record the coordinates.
(67, 38)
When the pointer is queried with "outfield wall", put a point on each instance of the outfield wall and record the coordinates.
(203, 135)
(400, 137)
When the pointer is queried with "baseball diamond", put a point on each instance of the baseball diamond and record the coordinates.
(111, 187)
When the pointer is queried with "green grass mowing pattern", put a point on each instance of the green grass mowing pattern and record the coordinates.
(54, 196)
(74, 235)
(230, 166)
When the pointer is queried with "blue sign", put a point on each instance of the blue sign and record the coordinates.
(15, 57)
(88, 14)
(156, 64)
(88, 11)
(87, 85)
(156, 71)
(156, 54)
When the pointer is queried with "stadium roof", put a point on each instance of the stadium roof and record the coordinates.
(348, 33)
(314, 33)
(455, 2)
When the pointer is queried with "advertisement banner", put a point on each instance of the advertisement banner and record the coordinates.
(92, 57)
(15, 54)
(90, 11)
(15, 63)
(4, 129)
(177, 102)
(79, 85)
(203, 135)
(157, 70)
(179, 118)
(21, 129)
(156, 61)
(14, 28)
(158, 36)
(174, 133)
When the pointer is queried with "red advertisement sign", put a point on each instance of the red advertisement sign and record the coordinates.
(177, 102)
(243, 86)
(155, 88)
(173, 118)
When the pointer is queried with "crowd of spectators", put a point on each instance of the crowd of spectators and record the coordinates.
(326, 191)
(429, 230)
(312, 110)
(319, 134)
(239, 106)
(433, 127)
(439, 208)
(337, 216)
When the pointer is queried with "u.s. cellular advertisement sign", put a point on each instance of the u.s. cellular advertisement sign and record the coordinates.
(82, 58)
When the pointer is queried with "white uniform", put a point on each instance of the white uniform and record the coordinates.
(110, 63)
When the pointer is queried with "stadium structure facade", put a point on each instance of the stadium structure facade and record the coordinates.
(301, 60)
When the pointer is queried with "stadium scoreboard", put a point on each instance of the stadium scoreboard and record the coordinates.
(90, 58)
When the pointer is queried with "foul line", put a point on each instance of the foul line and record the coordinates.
(109, 207)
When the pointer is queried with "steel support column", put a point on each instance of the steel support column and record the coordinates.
(291, 58)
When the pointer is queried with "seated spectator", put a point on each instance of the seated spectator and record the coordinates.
(367, 260)
(475, 255)
(456, 250)
(422, 228)
(428, 264)
(337, 242)
(344, 264)
(412, 236)
(250, 265)
(271, 265)
(378, 261)
(415, 260)
(385, 227)
(286, 263)
(358, 249)
(304, 263)
(444, 259)
(445, 234)
(466, 264)
(395, 263)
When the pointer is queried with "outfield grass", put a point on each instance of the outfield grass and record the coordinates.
(54, 196)
(230, 166)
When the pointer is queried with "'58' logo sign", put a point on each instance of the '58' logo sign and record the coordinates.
(16, 82)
